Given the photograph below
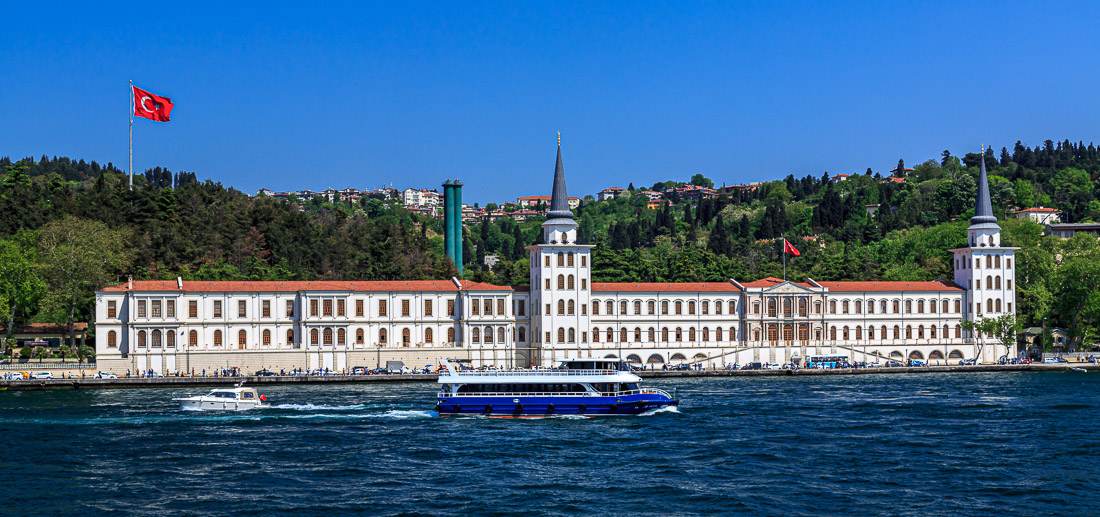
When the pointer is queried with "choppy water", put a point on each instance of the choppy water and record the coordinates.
(936, 444)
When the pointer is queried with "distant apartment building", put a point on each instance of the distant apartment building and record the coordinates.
(533, 201)
(1068, 230)
(840, 177)
(1039, 215)
(421, 197)
(610, 193)
(652, 195)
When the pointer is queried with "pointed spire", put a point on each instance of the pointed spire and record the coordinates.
(983, 209)
(559, 200)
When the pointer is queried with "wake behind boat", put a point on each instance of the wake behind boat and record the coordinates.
(579, 387)
(223, 399)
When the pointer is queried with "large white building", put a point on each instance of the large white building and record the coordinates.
(173, 326)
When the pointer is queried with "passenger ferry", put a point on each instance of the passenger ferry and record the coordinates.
(578, 387)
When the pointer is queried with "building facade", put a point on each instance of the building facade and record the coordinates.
(194, 325)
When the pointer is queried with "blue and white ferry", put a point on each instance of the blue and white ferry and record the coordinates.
(589, 387)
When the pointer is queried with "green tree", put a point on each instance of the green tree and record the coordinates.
(79, 256)
(39, 352)
(20, 283)
(701, 181)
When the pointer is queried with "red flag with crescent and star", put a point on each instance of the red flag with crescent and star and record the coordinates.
(150, 106)
(788, 248)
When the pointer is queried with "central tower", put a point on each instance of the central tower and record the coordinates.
(560, 278)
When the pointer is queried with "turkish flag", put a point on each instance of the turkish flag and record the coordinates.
(787, 248)
(152, 107)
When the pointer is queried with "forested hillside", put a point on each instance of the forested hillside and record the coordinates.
(172, 224)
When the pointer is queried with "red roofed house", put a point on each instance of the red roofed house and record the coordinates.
(1040, 215)
(180, 326)
(610, 193)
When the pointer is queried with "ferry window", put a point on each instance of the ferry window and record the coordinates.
(290, 308)
(340, 307)
(266, 308)
(217, 308)
(141, 308)
(111, 309)
(193, 309)
(242, 309)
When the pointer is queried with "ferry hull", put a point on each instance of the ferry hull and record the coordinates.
(551, 406)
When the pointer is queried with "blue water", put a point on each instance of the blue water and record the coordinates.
(935, 444)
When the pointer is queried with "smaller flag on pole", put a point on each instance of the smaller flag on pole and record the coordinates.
(150, 106)
(788, 248)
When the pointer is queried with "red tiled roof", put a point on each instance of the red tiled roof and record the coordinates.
(46, 328)
(849, 287)
(665, 287)
(1040, 209)
(772, 281)
(195, 286)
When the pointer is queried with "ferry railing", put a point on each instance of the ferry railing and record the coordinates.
(540, 373)
(643, 391)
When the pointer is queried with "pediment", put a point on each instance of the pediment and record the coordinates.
(788, 287)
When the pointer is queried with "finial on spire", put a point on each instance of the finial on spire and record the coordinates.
(559, 138)
(983, 148)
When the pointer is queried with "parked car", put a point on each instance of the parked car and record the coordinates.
(105, 375)
(155, 374)
(266, 373)
(893, 364)
(916, 362)
(753, 366)
(14, 376)
(43, 375)
(875, 364)
(774, 366)
(967, 362)
(359, 370)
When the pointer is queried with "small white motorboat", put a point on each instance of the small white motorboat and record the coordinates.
(223, 399)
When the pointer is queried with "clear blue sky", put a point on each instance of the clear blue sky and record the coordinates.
(313, 95)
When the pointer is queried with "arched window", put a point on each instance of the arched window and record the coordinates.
(691, 307)
(170, 339)
(622, 308)
(691, 334)
(717, 307)
(772, 308)
(896, 307)
(561, 259)
(156, 338)
(870, 306)
(610, 334)
(429, 336)
(652, 334)
(406, 337)
(908, 306)
(500, 335)
(832, 333)
(998, 305)
(679, 307)
(920, 331)
(327, 336)
(382, 334)
(561, 307)
(572, 332)
(664, 334)
(958, 306)
(883, 335)
(706, 334)
(897, 332)
(859, 307)
(650, 306)
(832, 306)
(664, 307)
(451, 334)
(266, 337)
(958, 331)
(561, 281)
(679, 334)
(705, 307)
(718, 334)
(217, 338)
(870, 332)
(846, 337)
(610, 308)
(572, 307)
(637, 335)
(989, 305)
(341, 337)
(989, 282)
(733, 307)
(488, 335)
(997, 282)
(193, 337)
(920, 306)
(908, 332)
(570, 258)
(313, 336)
(622, 335)
(112, 338)
(932, 306)
(859, 332)
(359, 336)
(242, 339)
(989, 258)
(475, 335)
(570, 283)
(595, 334)
(932, 331)
(844, 307)
(523, 334)
(802, 306)
(595, 307)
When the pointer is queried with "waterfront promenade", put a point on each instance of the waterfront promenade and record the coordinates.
(161, 382)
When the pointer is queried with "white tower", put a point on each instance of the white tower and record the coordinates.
(560, 283)
(986, 269)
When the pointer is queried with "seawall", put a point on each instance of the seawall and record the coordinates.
(187, 382)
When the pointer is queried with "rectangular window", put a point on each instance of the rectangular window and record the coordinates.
(500, 306)
(547, 283)
(266, 308)
(427, 307)
(340, 308)
(548, 313)
(450, 307)
(290, 308)
(475, 308)
(584, 261)
(156, 308)
(405, 308)
(217, 308)
(111, 311)
(313, 307)
(242, 309)
(170, 308)
(381, 307)
(326, 308)
(584, 283)
(141, 308)
(358, 307)
(584, 309)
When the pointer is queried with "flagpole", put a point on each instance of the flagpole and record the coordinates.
(784, 238)
(131, 134)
